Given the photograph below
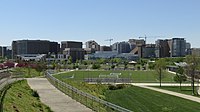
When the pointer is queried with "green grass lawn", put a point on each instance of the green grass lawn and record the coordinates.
(184, 89)
(19, 98)
(133, 98)
(136, 76)
(139, 99)
(144, 100)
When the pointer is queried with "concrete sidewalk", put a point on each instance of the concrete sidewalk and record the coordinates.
(163, 84)
(56, 100)
(6, 81)
(188, 97)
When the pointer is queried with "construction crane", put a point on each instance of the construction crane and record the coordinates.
(110, 40)
(145, 37)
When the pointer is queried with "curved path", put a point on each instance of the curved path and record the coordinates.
(55, 99)
(6, 81)
(188, 97)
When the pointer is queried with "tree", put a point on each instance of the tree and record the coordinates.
(151, 65)
(53, 65)
(142, 62)
(64, 64)
(112, 66)
(85, 64)
(125, 65)
(69, 60)
(160, 65)
(180, 77)
(29, 71)
(101, 61)
(193, 63)
(117, 60)
(95, 66)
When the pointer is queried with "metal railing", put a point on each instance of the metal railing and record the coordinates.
(86, 99)
(3, 89)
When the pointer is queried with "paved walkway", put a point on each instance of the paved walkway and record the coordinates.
(56, 100)
(188, 97)
(163, 84)
(6, 81)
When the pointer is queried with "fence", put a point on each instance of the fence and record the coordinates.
(4, 85)
(86, 99)
(3, 89)
(107, 80)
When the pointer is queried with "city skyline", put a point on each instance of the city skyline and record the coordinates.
(99, 20)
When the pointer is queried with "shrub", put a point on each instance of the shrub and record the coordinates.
(96, 66)
(35, 94)
(116, 87)
(151, 65)
(121, 86)
(112, 66)
(112, 87)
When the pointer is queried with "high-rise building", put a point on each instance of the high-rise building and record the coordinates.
(136, 46)
(188, 49)
(3, 51)
(93, 45)
(148, 51)
(54, 47)
(70, 44)
(162, 48)
(105, 48)
(175, 47)
(196, 51)
(136, 42)
(178, 48)
(121, 47)
(75, 53)
(20, 47)
(73, 49)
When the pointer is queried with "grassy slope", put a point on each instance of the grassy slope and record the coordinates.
(144, 100)
(133, 98)
(137, 76)
(19, 98)
(26, 72)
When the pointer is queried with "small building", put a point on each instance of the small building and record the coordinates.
(128, 56)
(101, 54)
(32, 57)
(58, 57)
(110, 55)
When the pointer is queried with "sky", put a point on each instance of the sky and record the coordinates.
(83, 20)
